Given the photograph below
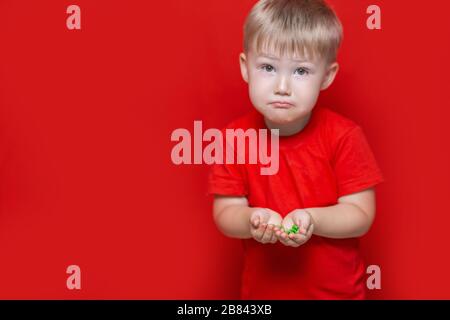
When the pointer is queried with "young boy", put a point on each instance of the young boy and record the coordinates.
(327, 171)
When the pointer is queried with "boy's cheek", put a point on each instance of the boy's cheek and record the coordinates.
(261, 88)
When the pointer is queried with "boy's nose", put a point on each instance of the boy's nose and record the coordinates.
(282, 87)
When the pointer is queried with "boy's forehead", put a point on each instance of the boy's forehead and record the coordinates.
(273, 55)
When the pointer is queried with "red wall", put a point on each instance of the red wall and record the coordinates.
(86, 116)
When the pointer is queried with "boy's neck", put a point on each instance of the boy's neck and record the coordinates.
(289, 129)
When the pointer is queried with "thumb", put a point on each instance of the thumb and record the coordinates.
(259, 216)
(302, 226)
(255, 221)
(256, 218)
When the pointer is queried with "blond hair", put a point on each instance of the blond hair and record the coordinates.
(306, 28)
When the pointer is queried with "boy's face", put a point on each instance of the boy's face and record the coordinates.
(290, 79)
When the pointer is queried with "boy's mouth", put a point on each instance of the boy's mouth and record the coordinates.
(281, 105)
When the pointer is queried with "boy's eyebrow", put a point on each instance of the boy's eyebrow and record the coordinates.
(275, 58)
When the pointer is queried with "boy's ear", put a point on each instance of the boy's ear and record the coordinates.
(330, 75)
(243, 64)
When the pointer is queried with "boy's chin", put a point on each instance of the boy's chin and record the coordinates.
(280, 119)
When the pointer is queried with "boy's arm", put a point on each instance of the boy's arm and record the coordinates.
(232, 216)
(350, 218)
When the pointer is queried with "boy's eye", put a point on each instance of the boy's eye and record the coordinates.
(267, 68)
(302, 71)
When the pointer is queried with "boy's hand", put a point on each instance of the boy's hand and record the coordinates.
(262, 224)
(303, 220)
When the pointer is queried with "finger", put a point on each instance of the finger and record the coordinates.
(255, 222)
(271, 230)
(293, 240)
(310, 231)
(300, 239)
(297, 239)
(304, 230)
(273, 237)
(257, 232)
(284, 238)
(301, 226)
(298, 222)
(285, 235)
(267, 234)
(307, 231)
(278, 235)
(278, 229)
(260, 232)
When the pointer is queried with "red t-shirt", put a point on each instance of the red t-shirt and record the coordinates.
(329, 158)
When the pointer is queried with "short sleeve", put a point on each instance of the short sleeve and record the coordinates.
(227, 179)
(354, 164)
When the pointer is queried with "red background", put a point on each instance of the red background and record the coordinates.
(86, 116)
